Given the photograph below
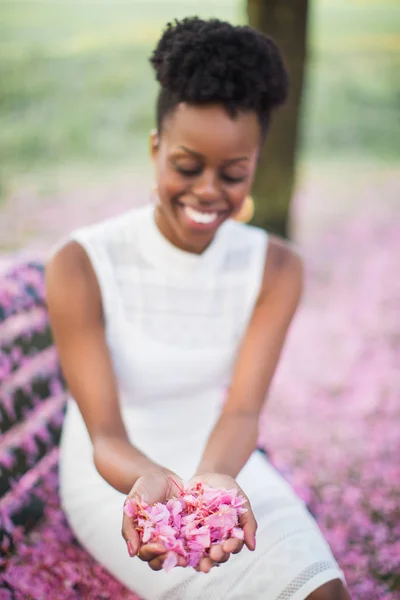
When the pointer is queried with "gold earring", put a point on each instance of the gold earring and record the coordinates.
(246, 212)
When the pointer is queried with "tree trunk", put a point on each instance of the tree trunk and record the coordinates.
(286, 22)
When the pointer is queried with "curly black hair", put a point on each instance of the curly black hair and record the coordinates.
(211, 61)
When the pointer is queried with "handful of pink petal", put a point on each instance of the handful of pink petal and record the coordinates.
(189, 525)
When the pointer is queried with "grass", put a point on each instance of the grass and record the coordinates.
(77, 91)
(353, 91)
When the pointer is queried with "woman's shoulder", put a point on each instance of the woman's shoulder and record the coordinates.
(101, 238)
(120, 227)
(243, 232)
(245, 242)
(281, 249)
(284, 263)
(279, 256)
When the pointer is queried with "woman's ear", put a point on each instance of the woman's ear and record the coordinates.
(154, 143)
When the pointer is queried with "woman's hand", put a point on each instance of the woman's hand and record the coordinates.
(220, 553)
(155, 486)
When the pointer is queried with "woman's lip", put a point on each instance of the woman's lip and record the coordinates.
(201, 209)
(195, 225)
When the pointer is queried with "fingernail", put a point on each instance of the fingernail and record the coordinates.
(130, 549)
(254, 542)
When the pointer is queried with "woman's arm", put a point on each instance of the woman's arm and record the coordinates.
(235, 434)
(75, 311)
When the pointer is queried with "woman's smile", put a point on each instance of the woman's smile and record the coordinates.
(200, 218)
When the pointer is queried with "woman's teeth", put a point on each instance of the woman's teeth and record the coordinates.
(200, 217)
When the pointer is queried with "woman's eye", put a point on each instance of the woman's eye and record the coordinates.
(197, 171)
(230, 179)
(188, 172)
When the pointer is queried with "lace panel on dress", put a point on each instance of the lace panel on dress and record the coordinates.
(304, 577)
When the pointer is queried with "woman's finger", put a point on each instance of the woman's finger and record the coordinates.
(182, 562)
(249, 525)
(218, 555)
(157, 563)
(233, 545)
(148, 552)
(205, 565)
(130, 535)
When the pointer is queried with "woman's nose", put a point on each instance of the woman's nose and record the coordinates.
(206, 187)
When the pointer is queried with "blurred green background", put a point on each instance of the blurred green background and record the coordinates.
(77, 98)
(77, 90)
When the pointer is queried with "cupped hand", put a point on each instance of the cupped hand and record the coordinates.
(156, 486)
(220, 553)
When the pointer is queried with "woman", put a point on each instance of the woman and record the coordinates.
(169, 321)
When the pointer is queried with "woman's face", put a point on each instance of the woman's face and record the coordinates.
(205, 163)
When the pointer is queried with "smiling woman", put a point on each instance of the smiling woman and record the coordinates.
(169, 322)
(205, 163)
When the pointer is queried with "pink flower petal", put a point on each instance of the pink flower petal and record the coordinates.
(237, 533)
(170, 562)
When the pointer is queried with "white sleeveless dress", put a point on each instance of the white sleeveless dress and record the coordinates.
(174, 321)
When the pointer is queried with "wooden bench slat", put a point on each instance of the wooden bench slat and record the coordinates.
(21, 337)
(25, 444)
(22, 506)
(39, 378)
(21, 288)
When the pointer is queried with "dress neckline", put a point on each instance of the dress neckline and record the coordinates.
(161, 252)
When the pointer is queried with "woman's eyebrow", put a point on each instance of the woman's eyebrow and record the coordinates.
(192, 152)
(233, 160)
(200, 156)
